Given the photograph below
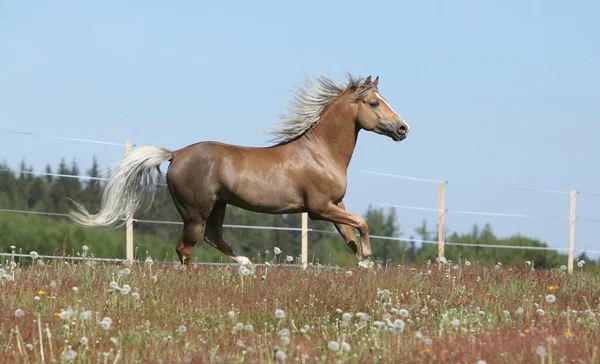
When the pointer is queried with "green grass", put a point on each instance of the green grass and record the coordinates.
(455, 314)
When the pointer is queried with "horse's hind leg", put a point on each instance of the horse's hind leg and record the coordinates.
(213, 234)
(188, 239)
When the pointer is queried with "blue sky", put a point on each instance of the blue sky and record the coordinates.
(498, 94)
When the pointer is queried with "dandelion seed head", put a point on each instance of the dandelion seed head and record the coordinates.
(84, 248)
(333, 346)
(29, 347)
(347, 316)
(68, 355)
(403, 313)
(279, 314)
(277, 251)
(83, 341)
(349, 274)
(182, 329)
(550, 298)
(34, 255)
(541, 350)
(289, 258)
(280, 355)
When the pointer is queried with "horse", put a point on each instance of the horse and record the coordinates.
(304, 170)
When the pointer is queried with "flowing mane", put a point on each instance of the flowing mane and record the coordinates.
(305, 109)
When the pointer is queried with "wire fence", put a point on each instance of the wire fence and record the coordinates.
(440, 210)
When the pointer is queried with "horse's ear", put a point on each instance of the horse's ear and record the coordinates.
(376, 82)
(367, 81)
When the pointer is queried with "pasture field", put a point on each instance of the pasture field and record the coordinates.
(439, 312)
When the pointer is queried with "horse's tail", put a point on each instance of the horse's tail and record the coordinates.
(128, 179)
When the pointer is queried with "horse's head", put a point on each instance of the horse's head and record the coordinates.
(375, 114)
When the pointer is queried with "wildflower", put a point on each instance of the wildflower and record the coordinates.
(153, 279)
(580, 263)
(65, 315)
(279, 314)
(135, 295)
(346, 347)
(442, 260)
(413, 269)
(84, 248)
(149, 261)
(12, 247)
(182, 329)
(280, 355)
(284, 332)
(29, 347)
(333, 346)
(105, 323)
(467, 263)
(249, 328)
(427, 341)
(347, 316)
(527, 331)
(362, 316)
(41, 293)
(36, 298)
(568, 333)
(541, 350)
(240, 343)
(403, 313)
(113, 340)
(349, 274)
(125, 272)
(289, 258)
(553, 288)
(384, 293)
(244, 271)
(378, 324)
(563, 267)
(277, 251)
(83, 341)
(550, 298)
(506, 313)
(418, 335)
(75, 290)
(52, 284)
(519, 311)
(455, 322)
(540, 312)
(551, 340)
(399, 325)
(69, 355)
(114, 285)
(231, 314)
(34, 255)
(85, 315)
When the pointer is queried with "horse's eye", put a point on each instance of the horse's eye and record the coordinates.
(374, 103)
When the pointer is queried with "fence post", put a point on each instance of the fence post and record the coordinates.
(441, 214)
(571, 231)
(129, 223)
(304, 256)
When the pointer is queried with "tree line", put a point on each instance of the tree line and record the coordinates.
(24, 190)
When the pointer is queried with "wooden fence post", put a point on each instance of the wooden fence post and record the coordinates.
(304, 256)
(571, 231)
(129, 223)
(441, 214)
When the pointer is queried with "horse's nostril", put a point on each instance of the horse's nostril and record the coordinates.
(402, 129)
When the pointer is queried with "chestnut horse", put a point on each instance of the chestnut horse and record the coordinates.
(304, 171)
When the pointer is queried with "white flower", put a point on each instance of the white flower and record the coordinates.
(563, 267)
(149, 261)
(467, 263)
(279, 314)
(135, 295)
(277, 251)
(153, 279)
(540, 312)
(85, 315)
(125, 272)
(289, 258)
(347, 316)
(284, 332)
(182, 329)
(65, 315)
(19, 312)
(333, 346)
(403, 313)
(383, 293)
(399, 325)
(105, 323)
(346, 347)
(239, 326)
(12, 247)
(36, 298)
(69, 355)
(52, 283)
(84, 248)
(550, 298)
(519, 311)
(541, 350)
(580, 263)
(506, 313)
(455, 322)
(442, 260)
(249, 328)
(243, 270)
(280, 355)
(75, 289)
(125, 290)
(231, 314)
(34, 255)
(114, 285)
(83, 341)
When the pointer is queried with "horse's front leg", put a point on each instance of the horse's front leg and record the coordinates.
(344, 221)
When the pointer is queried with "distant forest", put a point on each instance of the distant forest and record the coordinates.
(20, 190)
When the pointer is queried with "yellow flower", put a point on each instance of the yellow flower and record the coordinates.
(527, 331)
(509, 269)
(553, 288)
(41, 293)
(413, 269)
(568, 333)
(444, 351)
(425, 351)
(57, 314)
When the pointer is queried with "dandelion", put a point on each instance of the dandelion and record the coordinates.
(413, 269)
(305, 329)
(519, 311)
(467, 263)
(506, 313)
(29, 347)
(346, 347)
(399, 325)
(284, 332)
(333, 346)
(105, 323)
(36, 298)
(113, 285)
(244, 271)
(68, 355)
(153, 279)
(182, 329)
(135, 295)
(249, 328)
(568, 334)
(347, 316)
(65, 315)
(553, 288)
(277, 251)
(563, 267)
(541, 350)
(403, 313)
(240, 343)
(52, 284)
(125, 290)
(279, 314)
(75, 289)
(455, 322)
(83, 341)
(442, 260)
(34, 255)
(349, 274)
(84, 248)
(383, 294)
(550, 298)
(428, 341)
(113, 340)
(85, 315)
(540, 312)
(280, 355)
(125, 272)
(231, 314)
(149, 261)
(580, 263)
(289, 258)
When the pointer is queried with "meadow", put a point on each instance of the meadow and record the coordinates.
(438, 312)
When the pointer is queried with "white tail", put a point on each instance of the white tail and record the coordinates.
(128, 180)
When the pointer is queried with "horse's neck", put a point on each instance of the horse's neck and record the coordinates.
(337, 133)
